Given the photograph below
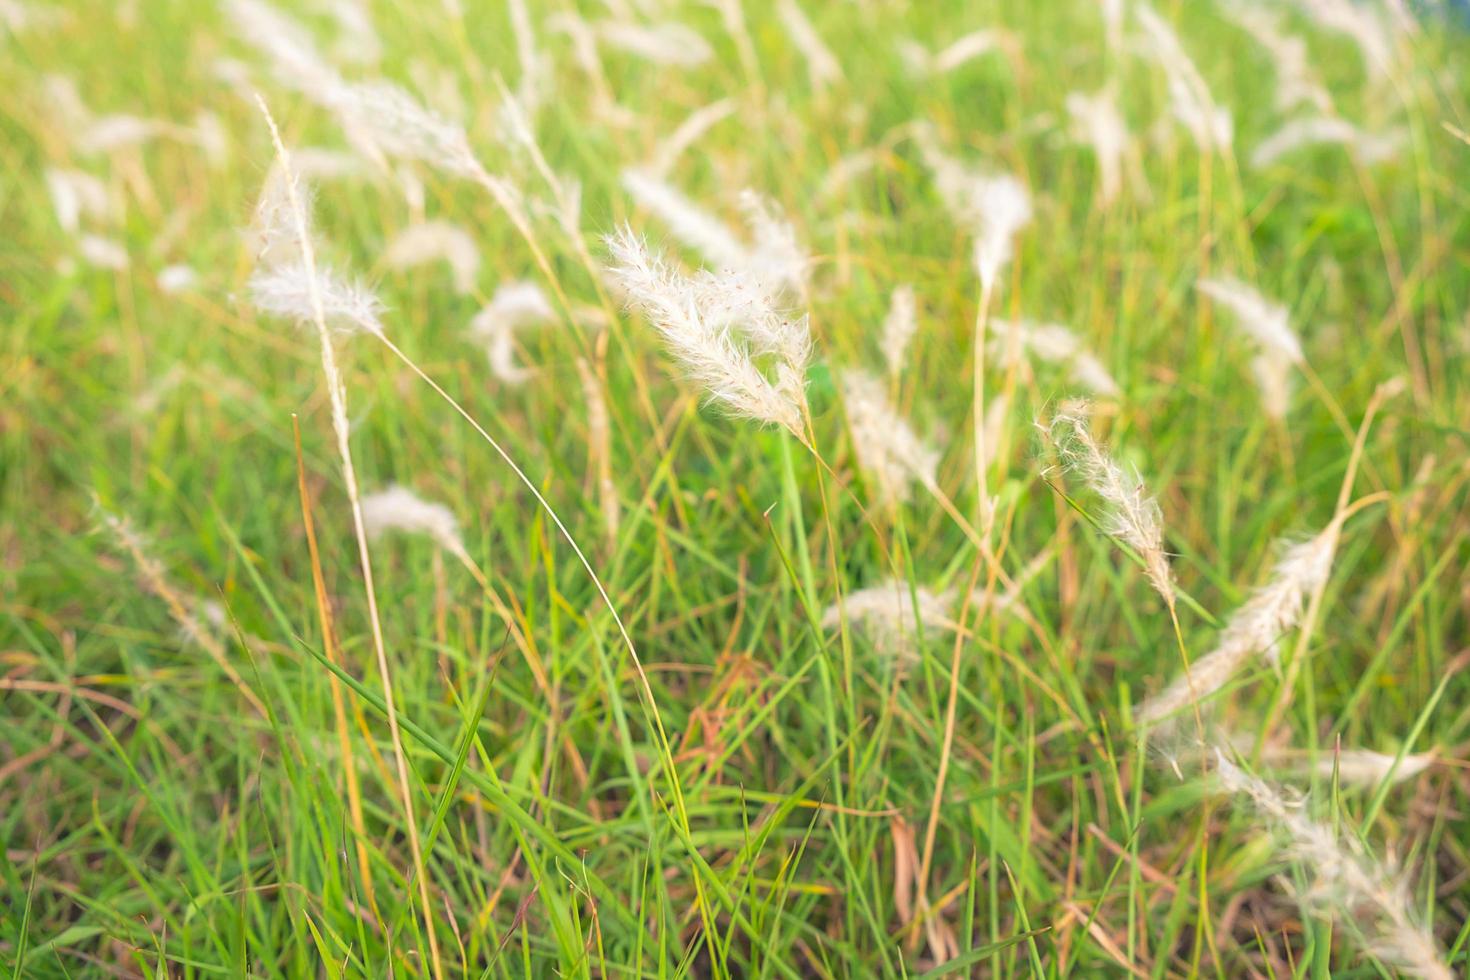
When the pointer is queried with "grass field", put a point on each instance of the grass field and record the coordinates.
(852, 688)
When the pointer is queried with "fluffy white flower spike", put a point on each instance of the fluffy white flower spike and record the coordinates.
(993, 207)
(400, 509)
(1346, 880)
(717, 326)
(886, 613)
(1132, 515)
(430, 241)
(669, 43)
(1265, 321)
(514, 306)
(1255, 629)
(821, 64)
(1368, 148)
(1210, 125)
(899, 326)
(1100, 125)
(1057, 344)
(285, 290)
(886, 445)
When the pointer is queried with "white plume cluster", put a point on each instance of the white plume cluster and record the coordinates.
(1367, 148)
(993, 207)
(899, 327)
(886, 612)
(717, 325)
(400, 509)
(976, 44)
(885, 444)
(699, 122)
(515, 306)
(1131, 514)
(1365, 24)
(177, 278)
(774, 257)
(1296, 83)
(822, 66)
(1193, 106)
(287, 290)
(430, 241)
(1056, 344)
(1269, 325)
(1345, 879)
(103, 253)
(668, 43)
(76, 194)
(1256, 627)
(1099, 123)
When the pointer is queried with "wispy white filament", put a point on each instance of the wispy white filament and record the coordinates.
(961, 51)
(1131, 514)
(1210, 125)
(774, 257)
(667, 43)
(76, 194)
(899, 327)
(514, 306)
(994, 207)
(886, 612)
(1346, 881)
(1296, 83)
(177, 278)
(430, 241)
(103, 253)
(822, 66)
(699, 122)
(1256, 628)
(1100, 125)
(1057, 344)
(886, 445)
(717, 326)
(287, 290)
(1368, 148)
(1266, 322)
(400, 509)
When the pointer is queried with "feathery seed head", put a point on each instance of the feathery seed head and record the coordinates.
(286, 290)
(400, 509)
(886, 612)
(715, 326)
(899, 326)
(1268, 323)
(515, 305)
(430, 240)
(886, 445)
(1132, 515)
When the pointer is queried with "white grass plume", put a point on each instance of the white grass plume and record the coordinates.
(687, 221)
(430, 241)
(357, 41)
(514, 306)
(1057, 344)
(886, 612)
(76, 194)
(885, 444)
(398, 508)
(295, 60)
(1131, 514)
(177, 278)
(156, 581)
(699, 122)
(1266, 322)
(1346, 881)
(1296, 83)
(1372, 32)
(667, 43)
(716, 326)
(993, 207)
(1098, 123)
(1255, 629)
(290, 291)
(959, 52)
(1367, 148)
(1210, 125)
(775, 257)
(899, 327)
(822, 67)
(1353, 768)
(103, 253)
